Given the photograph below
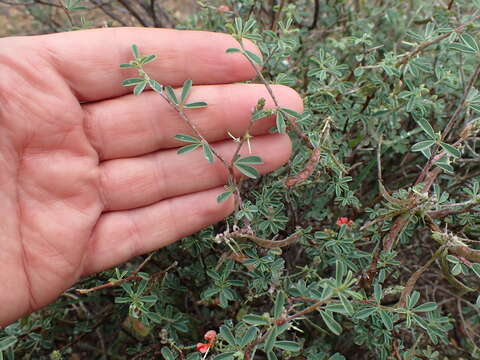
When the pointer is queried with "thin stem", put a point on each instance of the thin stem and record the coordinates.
(131, 277)
(460, 107)
(274, 98)
(310, 309)
(409, 286)
(424, 45)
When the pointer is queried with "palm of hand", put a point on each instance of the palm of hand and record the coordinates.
(86, 181)
(50, 191)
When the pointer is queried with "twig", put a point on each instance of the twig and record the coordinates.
(107, 313)
(316, 13)
(67, 13)
(449, 211)
(108, 12)
(269, 244)
(34, 2)
(310, 309)
(277, 15)
(275, 101)
(132, 276)
(133, 12)
(409, 286)
(460, 107)
(424, 45)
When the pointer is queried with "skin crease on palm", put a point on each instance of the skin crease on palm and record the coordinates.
(90, 176)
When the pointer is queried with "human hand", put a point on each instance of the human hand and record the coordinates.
(90, 176)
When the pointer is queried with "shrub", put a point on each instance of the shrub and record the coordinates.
(365, 246)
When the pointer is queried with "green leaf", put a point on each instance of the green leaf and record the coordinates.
(462, 48)
(187, 148)
(210, 292)
(346, 304)
(413, 299)
(132, 81)
(135, 51)
(187, 86)
(280, 122)
(336, 308)
(207, 151)
(249, 336)
(425, 125)
(247, 170)
(239, 25)
(474, 106)
(470, 41)
(270, 340)
(127, 66)
(365, 313)
(187, 138)
(253, 57)
(377, 292)
(250, 160)
(233, 50)
(279, 304)
(476, 269)
(331, 323)
(291, 113)
(226, 334)
(271, 356)
(453, 151)
(155, 85)
(138, 89)
(167, 353)
(196, 105)
(255, 320)
(422, 145)
(147, 59)
(445, 165)
(260, 114)
(7, 342)
(223, 196)
(155, 317)
(386, 319)
(288, 345)
(225, 356)
(426, 307)
(339, 271)
(171, 95)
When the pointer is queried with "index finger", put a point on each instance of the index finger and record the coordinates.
(89, 59)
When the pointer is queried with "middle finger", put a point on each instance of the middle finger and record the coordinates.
(132, 125)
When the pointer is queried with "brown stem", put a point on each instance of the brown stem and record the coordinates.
(108, 12)
(409, 286)
(310, 309)
(277, 15)
(133, 12)
(33, 2)
(275, 101)
(460, 107)
(107, 313)
(269, 244)
(424, 45)
(133, 276)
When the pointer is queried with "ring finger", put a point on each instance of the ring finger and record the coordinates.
(137, 182)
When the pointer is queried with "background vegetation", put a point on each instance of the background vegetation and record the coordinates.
(365, 246)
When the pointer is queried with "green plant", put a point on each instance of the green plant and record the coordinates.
(322, 259)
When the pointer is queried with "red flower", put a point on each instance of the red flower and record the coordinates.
(223, 9)
(203, 348)
(344, 221)
(210, 336)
